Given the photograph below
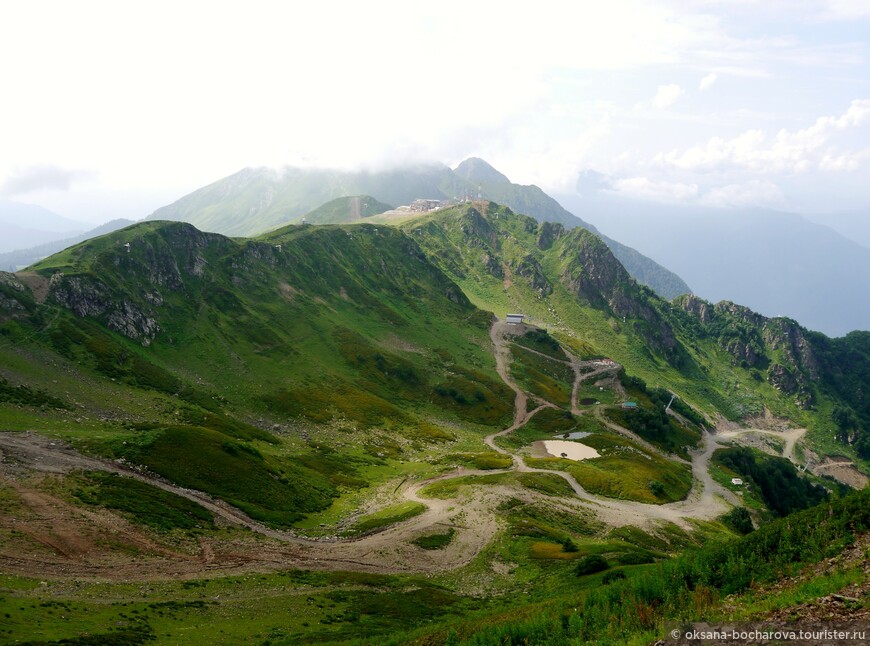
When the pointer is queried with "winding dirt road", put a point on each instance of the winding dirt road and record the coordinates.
(388, 550)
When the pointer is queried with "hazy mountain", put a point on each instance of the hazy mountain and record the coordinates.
(27, 225)
(346, 209)
(20, 258)
(255, 200)
(854, 225)
(778, 264)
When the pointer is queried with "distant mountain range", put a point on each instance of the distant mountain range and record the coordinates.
(854, 225)
(26, 225)
(256, 200)
(779, 264)
(20, 258)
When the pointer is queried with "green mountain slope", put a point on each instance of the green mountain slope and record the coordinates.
(531, 200)
(211, 412)
(346, 209)
(723, 358)
(350, 328)
(255, 200)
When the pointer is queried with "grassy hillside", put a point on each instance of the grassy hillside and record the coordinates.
(220, 410)
(346, 209)
(219, 343)
(722, 359)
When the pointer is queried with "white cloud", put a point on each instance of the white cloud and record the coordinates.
(846, 9)
(759, 193)
(787, 152)
(644, 188)
(708, 81)
(667, 95)
(41, 177)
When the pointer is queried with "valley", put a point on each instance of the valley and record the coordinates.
(330, 418)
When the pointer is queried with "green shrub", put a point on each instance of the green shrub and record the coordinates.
(738, 519)
(613, 575)
(590, 565)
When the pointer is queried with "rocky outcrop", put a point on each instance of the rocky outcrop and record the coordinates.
(791, 382)
(477, 229)
(531, 270)
(594, 275)
(89, 297)
(492, 266)
(548, 233)
(788, 337)
(697, 307)
(13, 296)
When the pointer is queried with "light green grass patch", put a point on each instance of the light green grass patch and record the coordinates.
(385, 517)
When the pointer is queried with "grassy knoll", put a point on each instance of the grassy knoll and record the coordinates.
(487, 460)
(550, 379)
(141, 503)
(624, 471)
(435, 541)
(540, 341)
(545, 483)
(386, 516)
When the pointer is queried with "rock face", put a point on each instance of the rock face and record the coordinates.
(89, 297)
(531, 270)
(13, 296)
(548, 233)
(592, 273)
(697, 307)
(778, 345)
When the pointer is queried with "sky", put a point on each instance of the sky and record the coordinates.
(113, 109)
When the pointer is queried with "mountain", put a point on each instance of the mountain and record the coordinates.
(256, 200)
(346, 209)
(27, 225)
(854, 225)
(14, 260)
(330, 414)
(779, 264)
(476, 170)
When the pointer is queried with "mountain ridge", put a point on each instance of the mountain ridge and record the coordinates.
(342, 396)
(253, 201)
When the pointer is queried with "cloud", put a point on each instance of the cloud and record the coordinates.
(41, 177)
(708, 81)
(787, 152)
(644, 188)
(667, 95)
(846, 9)
(759, 193)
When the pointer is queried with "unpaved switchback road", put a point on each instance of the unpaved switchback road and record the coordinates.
(389, 550)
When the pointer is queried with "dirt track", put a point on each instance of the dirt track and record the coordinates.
(73, 540)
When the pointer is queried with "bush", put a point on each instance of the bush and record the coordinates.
(590, 565)
(635, 558)
(739, 520)
(568, 545)
(612, 576)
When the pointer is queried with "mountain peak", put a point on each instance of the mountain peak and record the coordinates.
(474, 169)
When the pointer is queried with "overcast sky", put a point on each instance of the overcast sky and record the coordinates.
(113, 109)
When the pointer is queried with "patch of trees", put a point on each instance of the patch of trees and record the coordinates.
(738, 519)
(845, 374)
(778, 482)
